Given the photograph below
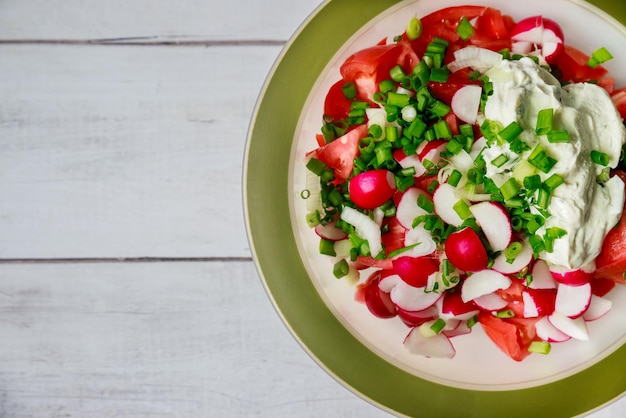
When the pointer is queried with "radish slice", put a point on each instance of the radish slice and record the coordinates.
(522, 260)
(482, 283)
(444, 199)
(573, 301)
(491, 302)
(480, 59)
(598, 307)
(407, 297)
(437, 346)
(542, 278)
(461, 329)
(407, 209)
(465, 103)
(424, 240)
(495, 223)
(540, 32)
(365, 227)
(330, 232)
(548, 332)
(575, 328)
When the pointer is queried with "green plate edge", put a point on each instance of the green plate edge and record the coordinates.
(313, 325)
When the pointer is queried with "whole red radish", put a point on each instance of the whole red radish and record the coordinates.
(371, 189)
(466, 251)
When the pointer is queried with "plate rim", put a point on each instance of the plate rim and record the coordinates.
(345, 371)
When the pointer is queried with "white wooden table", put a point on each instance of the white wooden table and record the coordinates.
(126, 283)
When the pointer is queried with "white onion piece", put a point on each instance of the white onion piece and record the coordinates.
(365, 227)
(480, 59)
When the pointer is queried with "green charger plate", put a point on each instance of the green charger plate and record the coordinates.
(279, 263)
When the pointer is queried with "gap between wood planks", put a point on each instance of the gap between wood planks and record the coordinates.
(95, 260)
(145, 41)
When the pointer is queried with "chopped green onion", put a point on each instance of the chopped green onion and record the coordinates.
(500, 160)
(537, 244)
(404, 183)
(599, 56)
(454, 146)
(539, 347)
(541, 160)
(327, 247)
(442, 129)
(440, 109)
(386, 85)
(397, 99)
(305, 194)
(462, 209)
(349, 90)
(510, 189)
(413, 28)
(511, 132)
(555, 232)
(397, 73)
(439, 75)
(316, 166)
(544, 121)
(341, 269)
(465, 29)
(507, 313)
(438, 325)
(553, 182)
(475, 176)
(402, 250)
(391, 133)
(604, 176)
(599, 158)
(425, 203)
(335, 198)
(472, 321)
(558, 136)
(409, 113)
(543, 198)
(532, 182)
(327, 175)
(416, 129)
(454, 178)
(512, 251)
(313, 218)
(375, 131)
(432, 186)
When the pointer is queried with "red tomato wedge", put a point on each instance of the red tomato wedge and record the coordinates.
(370, 66)
(573, 66)
(619, 100)
(505, 335)
(340, 154)
(336, 106)
(611, 263)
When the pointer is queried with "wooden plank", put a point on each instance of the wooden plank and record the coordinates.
(154, 339)
(149, 21)
(125, 151)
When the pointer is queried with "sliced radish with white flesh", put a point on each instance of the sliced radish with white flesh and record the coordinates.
(378, 302)
(495, 223)
(466, 102)
(365, 227)
(542, 278)
(548, 332)
(407, 297)
(453, 307)
(598, 307)
(572, 301)
(330, 232)
(461, 329)
(491, 302)
(417, 318)
(541, 32)
(575, 328)
(444, 199)
(571, 277)
(371, 189)
(482, 283)
(538, 302)
(432, 151)
(407, 209)
(522, 260)
(437, 346)
(409, 161)
(480, 59)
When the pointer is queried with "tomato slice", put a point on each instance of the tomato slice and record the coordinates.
(513, 296)
(573, 66)
(340, 154)
(505, 335)
(393, 239)
(336, 106)
(494, 24)
(619, 100)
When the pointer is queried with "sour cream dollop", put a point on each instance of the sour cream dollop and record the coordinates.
(581, 206)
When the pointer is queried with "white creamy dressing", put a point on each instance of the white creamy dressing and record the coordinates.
(580, 206)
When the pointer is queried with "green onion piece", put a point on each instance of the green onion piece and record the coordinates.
(507, 313)
(402, 250)
(409, 113)
(512, 251)
(305, 194)
(316, 166)
(425, 203)
(544, 121)
(475, 176)
(539, 347)
(375, 131)
(440, 109)
(500, 160)
(510, 189)
(397, 73)
(413, 28)
(541, 160)
(327, 247)
(438, 325)
(465, 29)
(599, 56)
(383, 155)
(341, 269)
(335, 198)
(454, 178)
(462, 209)
(439, 75)
(432, 186)
(454, 146)
(397, 99)
(406, 172)
(313, 218)
(558, 136)
(442, 130)
(386, 86)
(404, 183)
(604, 176)
(599, 158)
(534, 223)
(422, 72)
(391, 133)
(555, 232)
(366, 145)
(543, 198)
(328, 130)
(327, 175)
(511, 132)
(349, 90)
(472, 321)
(537, 244)
(553, 182)
(532, 182)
